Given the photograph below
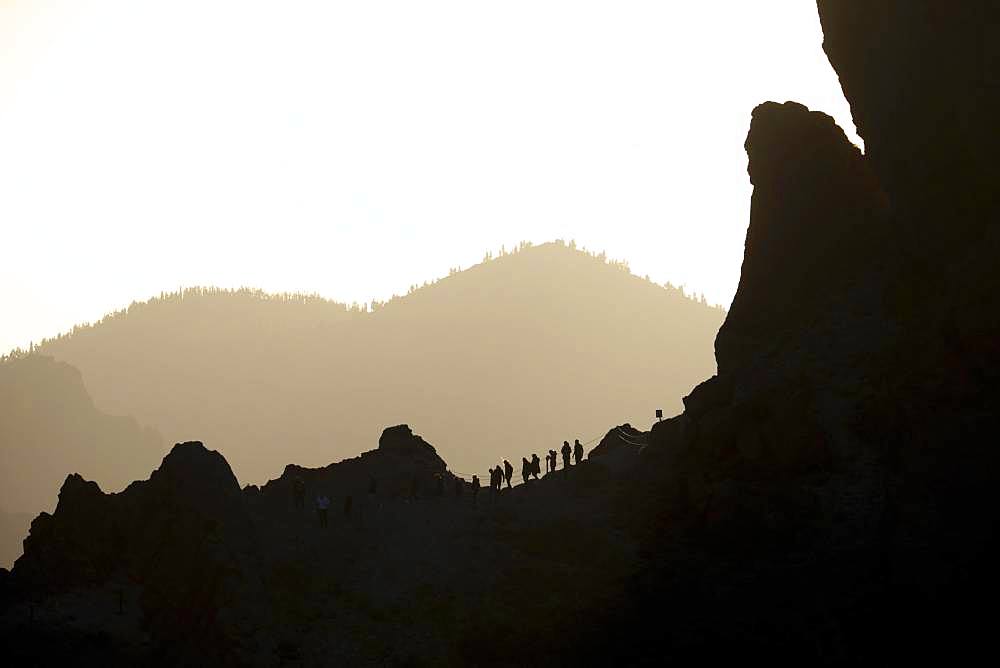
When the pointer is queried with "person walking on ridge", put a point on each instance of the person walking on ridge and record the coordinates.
(577, 451)
(495, 476)
(536, 465)
(525, 469)
(322, 508)
(566, 453)
(508, 472)
(498, 478)
(299, 493)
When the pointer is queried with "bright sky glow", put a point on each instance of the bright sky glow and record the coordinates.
(355, 148)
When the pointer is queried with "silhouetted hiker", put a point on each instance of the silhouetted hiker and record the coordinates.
(508, 472)
(553, 459)
(566, 452)
(536, 466)
(299, 493)
(348, 501)
(525, 469)
(322, 506)
(458, 487)
(577, 451)
(475, 490)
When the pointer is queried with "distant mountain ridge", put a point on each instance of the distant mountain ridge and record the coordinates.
(48, 426)
(514, 354)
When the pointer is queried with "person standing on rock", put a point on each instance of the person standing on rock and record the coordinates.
(372, 492)
(525, 469)
(322, 509)
(566, 453)
(299, 493)
(536, 465)
(578, 451)
(553, 460)
(508, 472)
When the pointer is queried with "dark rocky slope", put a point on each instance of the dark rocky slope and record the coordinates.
(211, 573)
(831, 492)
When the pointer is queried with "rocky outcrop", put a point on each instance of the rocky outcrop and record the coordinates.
(49, 425)
(923, 80)
(622, 437)
(844, 452)
(816, 214)
(401, 440)
(187, 569)
(182, 536)
(404, 465)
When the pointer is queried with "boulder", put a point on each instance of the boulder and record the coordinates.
(622, 437)
(815, 212)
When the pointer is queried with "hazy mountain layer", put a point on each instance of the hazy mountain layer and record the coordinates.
(48, 427)
(511, 356)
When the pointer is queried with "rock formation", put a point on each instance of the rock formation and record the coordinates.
(922, 80)
(205, 572)
(49, 426)
(843, 452)
(624, 437)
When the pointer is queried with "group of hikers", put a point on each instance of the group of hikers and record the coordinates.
(499, 475)
(531, 468)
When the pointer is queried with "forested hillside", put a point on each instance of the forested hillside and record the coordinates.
(513, 355)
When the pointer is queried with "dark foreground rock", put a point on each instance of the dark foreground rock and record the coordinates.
(186, 568)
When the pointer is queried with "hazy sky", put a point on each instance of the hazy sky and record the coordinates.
(354, 148)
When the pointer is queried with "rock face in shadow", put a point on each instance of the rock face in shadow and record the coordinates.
(183, 537)
(922, 80)
(403, 466)
(816, 213)
(209, 574)
(837, 478)
(401, 440)
(49, 426)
